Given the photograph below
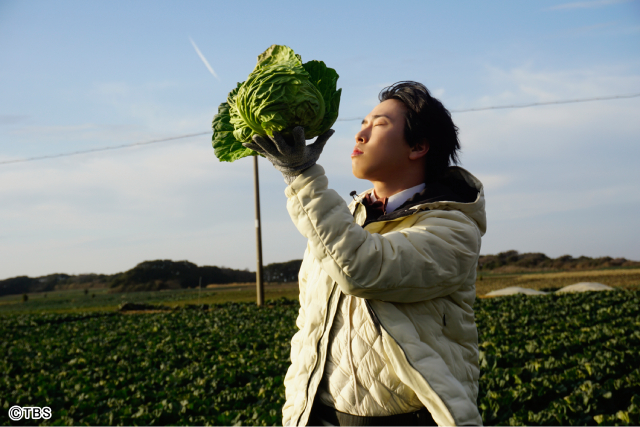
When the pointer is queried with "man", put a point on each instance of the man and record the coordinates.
(387, 333)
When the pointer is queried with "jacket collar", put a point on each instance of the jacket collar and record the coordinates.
(457, 189)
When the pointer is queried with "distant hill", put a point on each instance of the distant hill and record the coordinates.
(150, 276)
(51, 282)
(515, 262)
(166, 274)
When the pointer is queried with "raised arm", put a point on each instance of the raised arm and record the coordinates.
(429, 258)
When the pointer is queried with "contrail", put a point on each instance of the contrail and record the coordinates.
(206, 63)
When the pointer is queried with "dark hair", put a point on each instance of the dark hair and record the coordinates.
(426, 118)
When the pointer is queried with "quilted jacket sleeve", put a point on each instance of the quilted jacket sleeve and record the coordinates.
(296, 346)
(429, 258)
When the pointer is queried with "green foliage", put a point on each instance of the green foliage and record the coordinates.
(325, 79)
(188, 367)
(560, 360)
(549, 360)
(276, 94)
(279, 94)
(226, 146)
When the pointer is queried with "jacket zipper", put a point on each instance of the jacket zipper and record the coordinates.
(374, 317)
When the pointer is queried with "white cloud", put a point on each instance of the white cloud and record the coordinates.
(204, 60)
(492, 182)
(438, 93)
(12, 119)
(545, 131)
(551, 171)
(523, 205)
(142, 104)
(586, 4)
(144, 197)
(550, 85)
(590, 28)
(94, 133)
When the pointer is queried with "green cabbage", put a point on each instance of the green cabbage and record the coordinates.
(279, 94)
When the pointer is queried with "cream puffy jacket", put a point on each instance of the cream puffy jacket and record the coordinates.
(415, 268)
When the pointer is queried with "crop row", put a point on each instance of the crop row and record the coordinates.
(562, 360)
(190, 367)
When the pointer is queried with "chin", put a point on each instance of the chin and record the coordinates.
(357, 173)
(362, 171)
(360, 175)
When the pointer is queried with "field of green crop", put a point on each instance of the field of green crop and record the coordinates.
(557, 359)
(560, 359)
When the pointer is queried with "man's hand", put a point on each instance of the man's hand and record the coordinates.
(290, 159)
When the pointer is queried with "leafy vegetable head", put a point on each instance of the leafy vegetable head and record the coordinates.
(279, 94)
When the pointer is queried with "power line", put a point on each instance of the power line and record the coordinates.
(533, 104)
(497, 107)
(111, 147)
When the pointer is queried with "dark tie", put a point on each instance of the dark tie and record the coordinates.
(374, 209)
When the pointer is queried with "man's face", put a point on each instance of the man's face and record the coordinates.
(381, 151)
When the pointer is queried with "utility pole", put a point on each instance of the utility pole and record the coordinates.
(259, 283)
(199, 289)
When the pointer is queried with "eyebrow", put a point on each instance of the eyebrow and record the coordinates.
(375, 117)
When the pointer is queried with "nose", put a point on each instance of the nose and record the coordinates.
(362, 137)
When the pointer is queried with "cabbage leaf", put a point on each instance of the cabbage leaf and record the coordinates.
(279, 94)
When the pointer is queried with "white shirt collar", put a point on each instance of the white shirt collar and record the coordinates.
(398, 199)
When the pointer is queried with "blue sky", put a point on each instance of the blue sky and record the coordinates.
(559, 179)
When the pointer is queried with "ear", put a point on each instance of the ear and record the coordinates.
(419, 150)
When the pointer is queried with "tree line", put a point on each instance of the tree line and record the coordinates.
(512, 261)
(167, 274)
(151, 276)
